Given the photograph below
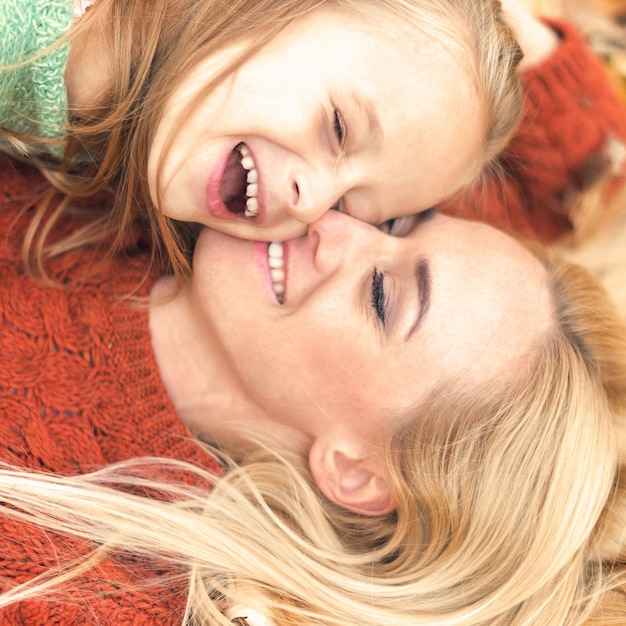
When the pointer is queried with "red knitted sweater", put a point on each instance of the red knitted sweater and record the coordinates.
(79, 388)
(79, 384)
(572, 107)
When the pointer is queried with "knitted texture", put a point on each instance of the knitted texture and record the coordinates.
(33, 99)
(571, 109)
(79, 388)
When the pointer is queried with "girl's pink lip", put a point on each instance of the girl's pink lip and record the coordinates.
(214, 203)
(261, 256)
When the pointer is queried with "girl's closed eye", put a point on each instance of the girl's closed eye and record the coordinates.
(378, 296)
(339, 127)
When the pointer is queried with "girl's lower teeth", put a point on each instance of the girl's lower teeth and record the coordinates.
(252, 207)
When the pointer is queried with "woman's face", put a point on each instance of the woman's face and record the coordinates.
(332, 111)
(367, 323)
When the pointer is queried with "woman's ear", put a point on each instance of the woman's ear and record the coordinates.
(351, 477)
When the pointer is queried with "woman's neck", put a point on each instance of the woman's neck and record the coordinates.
(200, 380)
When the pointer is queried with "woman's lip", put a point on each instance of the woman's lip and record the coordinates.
(216, 206)
(261, 256)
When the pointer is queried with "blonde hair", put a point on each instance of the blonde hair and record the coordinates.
(156, 43)
(512, 505)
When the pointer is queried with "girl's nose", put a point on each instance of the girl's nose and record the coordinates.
(312, 194)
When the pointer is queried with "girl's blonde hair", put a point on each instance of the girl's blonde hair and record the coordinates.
(512, 505)
(155, 43)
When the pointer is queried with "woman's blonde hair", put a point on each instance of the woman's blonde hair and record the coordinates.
(512, 505)
(156, 43)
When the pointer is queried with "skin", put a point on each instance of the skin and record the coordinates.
(228, 350)
(292, 102)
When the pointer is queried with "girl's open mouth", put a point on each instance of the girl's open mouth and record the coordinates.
(239, 185)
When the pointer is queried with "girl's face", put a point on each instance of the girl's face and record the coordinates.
(365, 324)
(333, 112)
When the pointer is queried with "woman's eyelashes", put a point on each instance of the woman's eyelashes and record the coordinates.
(378, 296)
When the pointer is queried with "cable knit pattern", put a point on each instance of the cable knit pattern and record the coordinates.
(33, 99)
(79, 388)
(572, 108)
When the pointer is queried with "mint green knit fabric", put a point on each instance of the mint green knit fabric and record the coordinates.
(33, 98)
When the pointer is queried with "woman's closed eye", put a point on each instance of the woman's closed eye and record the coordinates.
(378, 296)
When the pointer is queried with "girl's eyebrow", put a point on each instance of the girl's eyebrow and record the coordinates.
(366, 109)
(423, 283)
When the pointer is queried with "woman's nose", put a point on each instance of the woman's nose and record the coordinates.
(341, 239)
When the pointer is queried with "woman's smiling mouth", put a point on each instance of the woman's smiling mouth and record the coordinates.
(276, 260)
(271, 261)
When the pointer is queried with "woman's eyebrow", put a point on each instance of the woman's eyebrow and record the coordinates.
(422, 281)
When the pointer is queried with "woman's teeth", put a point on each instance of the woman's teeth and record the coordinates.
(252, 188)
(276, 260)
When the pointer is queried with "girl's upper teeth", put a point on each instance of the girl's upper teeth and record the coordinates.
(276, 259)
(252, 188)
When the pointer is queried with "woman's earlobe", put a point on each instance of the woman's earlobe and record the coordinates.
(350, 478)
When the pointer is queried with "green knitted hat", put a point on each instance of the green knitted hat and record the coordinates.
(33, 98)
